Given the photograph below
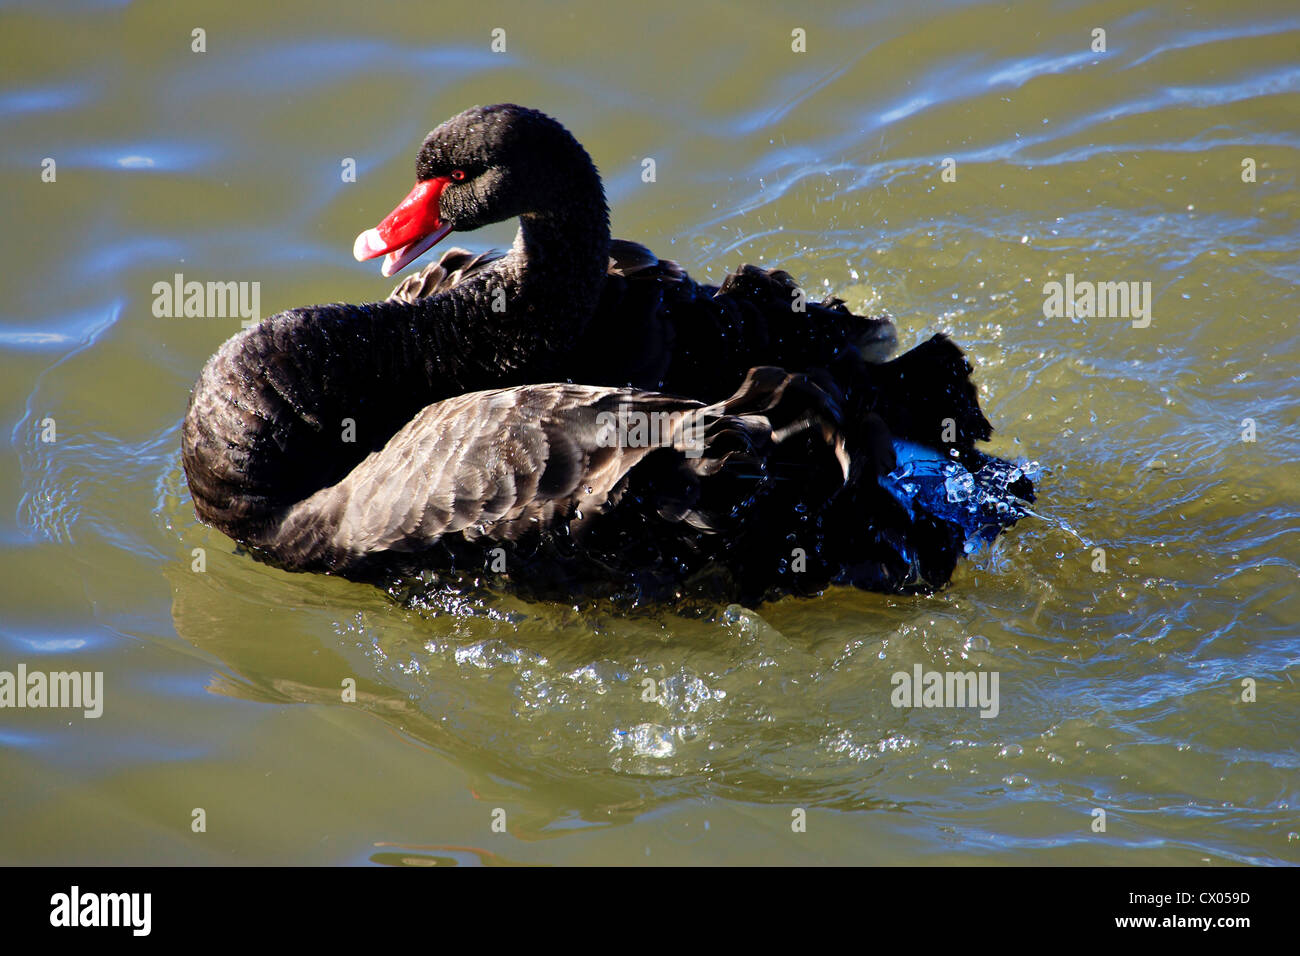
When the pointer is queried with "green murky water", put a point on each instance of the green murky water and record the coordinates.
(1120, 689)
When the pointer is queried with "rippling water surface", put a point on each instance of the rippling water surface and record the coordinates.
(688, 735)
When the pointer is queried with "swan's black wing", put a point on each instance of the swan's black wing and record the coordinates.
(503, 465)
(656, 328)
(452, 267)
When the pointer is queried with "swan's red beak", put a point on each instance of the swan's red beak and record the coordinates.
(409, 231)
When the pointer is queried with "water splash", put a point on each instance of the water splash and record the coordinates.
(981, 503)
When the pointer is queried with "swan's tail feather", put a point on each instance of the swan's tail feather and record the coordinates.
(926, 396)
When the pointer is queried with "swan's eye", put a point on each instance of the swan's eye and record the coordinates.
(458, 175)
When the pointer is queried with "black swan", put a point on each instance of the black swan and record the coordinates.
(432, 431)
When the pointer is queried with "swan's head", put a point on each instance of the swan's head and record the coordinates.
(488, 164)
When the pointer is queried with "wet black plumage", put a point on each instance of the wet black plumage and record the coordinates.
(466, 439)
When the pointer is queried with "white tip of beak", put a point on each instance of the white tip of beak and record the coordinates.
(368, 245)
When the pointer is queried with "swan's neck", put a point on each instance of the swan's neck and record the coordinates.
(568, 250)
(518, 320)
(559, 260)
